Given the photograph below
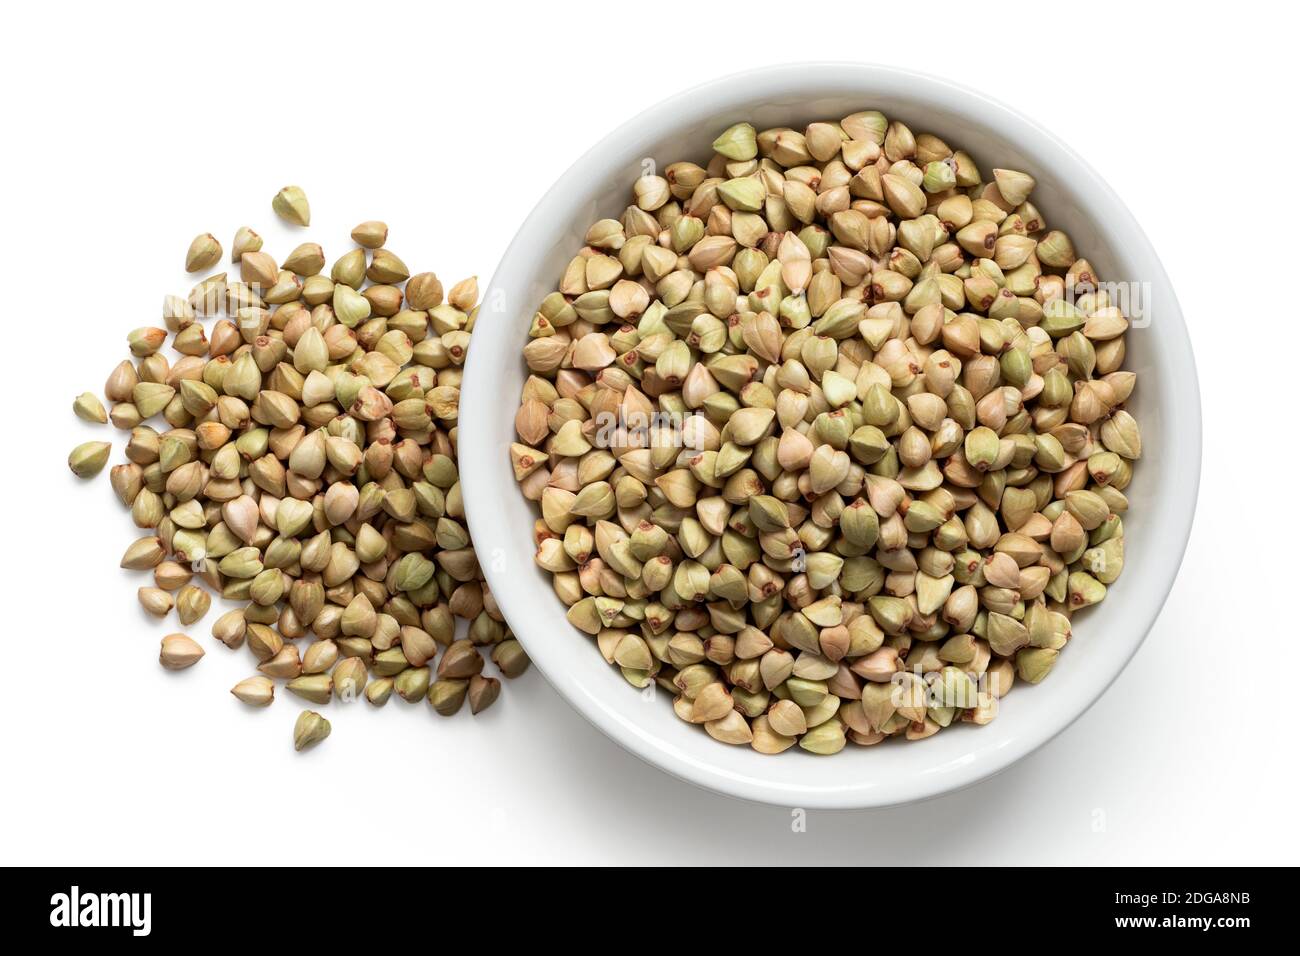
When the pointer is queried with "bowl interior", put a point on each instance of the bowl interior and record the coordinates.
(1162, 494)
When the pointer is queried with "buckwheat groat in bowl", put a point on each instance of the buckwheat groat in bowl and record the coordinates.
(815, 418)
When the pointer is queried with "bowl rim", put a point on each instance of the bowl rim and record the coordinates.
(486, 520)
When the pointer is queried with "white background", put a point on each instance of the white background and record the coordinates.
(129, 131)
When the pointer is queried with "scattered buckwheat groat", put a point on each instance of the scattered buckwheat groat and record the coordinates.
(304, 467)
(89, 458)
(179, 651)
(309, 729)
(290, 204)
(828, 436)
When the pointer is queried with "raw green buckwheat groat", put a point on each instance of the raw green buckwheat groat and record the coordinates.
(828, 436)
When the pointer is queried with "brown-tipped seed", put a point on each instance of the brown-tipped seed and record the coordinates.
(246, 240)
(88, 459)
(290, 204)
(144, 553)
(378, 691)
(204, 253)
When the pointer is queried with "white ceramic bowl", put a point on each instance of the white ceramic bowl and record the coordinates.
(1163, 494)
